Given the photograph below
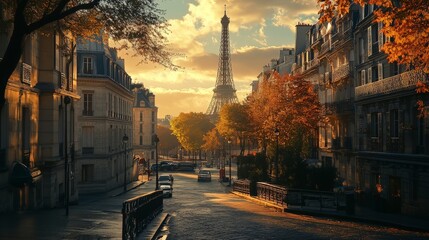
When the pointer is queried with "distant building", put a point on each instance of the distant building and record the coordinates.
(104, 118)
(165, 122)
(144, 123)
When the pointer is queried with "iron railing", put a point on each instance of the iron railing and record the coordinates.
(404, 81)
(315, 199)
(138, 212)
(272, 193)
(341, 72)
(242, 186)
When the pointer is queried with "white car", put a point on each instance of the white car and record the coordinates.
(167, 189)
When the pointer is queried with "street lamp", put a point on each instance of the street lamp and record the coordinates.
(277, 133)
(229, 143)
(125, 141)
(156, 140)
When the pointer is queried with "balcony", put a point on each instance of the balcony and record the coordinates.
(312, 63)
(87, 150)
(404, 81)
(326, 46)
(341, 72)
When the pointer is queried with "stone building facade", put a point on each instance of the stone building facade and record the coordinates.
(371, 130)
(145, 114)
(104, 117)
(36, 131)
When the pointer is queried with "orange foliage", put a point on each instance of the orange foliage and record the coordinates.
(284, 102)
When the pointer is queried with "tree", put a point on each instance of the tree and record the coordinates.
(234, 122)
(138, 22)
(405, 22)
(290, 105)
(287, 103)
(169, 141)
(190, 128)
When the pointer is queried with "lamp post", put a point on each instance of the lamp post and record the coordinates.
(277, 133)
(229, 143)
(67, 101)
(156, 140)
(125, 141)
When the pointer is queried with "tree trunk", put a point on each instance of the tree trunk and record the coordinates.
(11, 57)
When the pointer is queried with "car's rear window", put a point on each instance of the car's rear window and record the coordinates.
(164, 178)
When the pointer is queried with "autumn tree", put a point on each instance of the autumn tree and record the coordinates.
(213, 142)
(169, 141)
(234, 121)
(190, 128)
(140, 23)
(290, 105)
(405, 22)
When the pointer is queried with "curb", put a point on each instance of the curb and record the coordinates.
(369, 221)
(129, 189)
(164, 219)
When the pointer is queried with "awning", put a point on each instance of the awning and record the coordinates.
(20, 175)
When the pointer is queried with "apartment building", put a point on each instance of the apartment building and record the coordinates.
(104, 118)
(371, 130)
(145, 120)
(37, 123)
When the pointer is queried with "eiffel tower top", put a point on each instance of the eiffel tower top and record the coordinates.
(224, 91)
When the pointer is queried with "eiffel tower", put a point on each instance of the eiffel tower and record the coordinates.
(224, 91)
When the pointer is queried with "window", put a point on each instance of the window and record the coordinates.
(88, 140)
(394, 123)
(87, 172)
(153, 116)
(380, 71)
(87, 65)
(153, 128)
(380, 36)
(25, 144)
(369, 31)
(87, 104)
(141, 140)
(363, 77)
(141, 128)
(361, 50)
(374, 125)
(369, 75)
(141, 116)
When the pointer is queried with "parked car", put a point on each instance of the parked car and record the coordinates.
(204, 175)
(167, 189)
(166, 179)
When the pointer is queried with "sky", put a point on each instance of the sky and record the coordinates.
(258, 30)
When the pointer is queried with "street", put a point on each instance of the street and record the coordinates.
(199, 210)
(206, 210)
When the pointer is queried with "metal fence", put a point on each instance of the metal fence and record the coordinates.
(242, 186)
(315, 199)
(138, 212)
(271, 193)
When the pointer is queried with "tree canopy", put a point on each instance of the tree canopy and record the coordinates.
(167, 141)
(190, 128)
(140, 23)
(286, 103)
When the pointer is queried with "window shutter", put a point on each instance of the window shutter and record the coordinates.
(369, 75)
(380, 71)
(362, 77)
(369, 41)
(380, 36)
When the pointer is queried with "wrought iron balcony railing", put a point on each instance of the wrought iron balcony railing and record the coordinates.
(26, 73)
(403, 81)
(341, 72)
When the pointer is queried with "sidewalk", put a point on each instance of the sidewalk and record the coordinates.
(364, 215)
